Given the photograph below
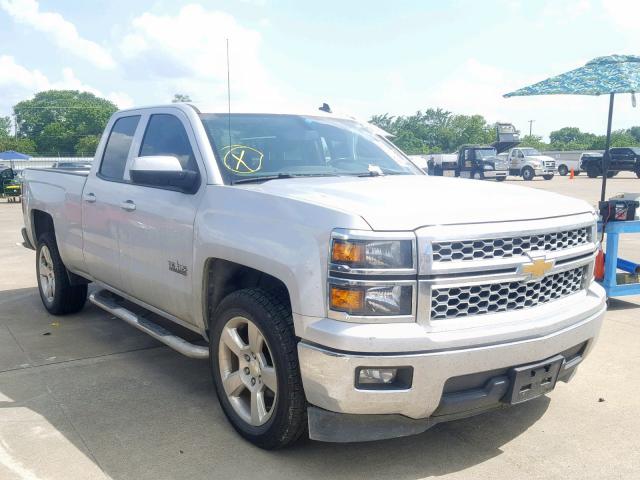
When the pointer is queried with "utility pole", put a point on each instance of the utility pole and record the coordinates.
(530, 126)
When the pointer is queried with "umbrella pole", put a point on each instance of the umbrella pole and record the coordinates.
(605, 157)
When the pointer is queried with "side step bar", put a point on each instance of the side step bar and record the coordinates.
(105, 300)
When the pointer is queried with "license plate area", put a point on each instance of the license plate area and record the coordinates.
(531, 381)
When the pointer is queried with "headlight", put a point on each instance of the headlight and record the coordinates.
(488, 167)
(371, 300)
(372, 254)
(536, 164)
(372, 276)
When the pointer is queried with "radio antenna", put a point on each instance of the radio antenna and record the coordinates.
(228, 96)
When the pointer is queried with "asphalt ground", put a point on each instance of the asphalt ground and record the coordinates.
(88, 397)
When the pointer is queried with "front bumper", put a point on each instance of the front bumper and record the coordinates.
(329, 375)
(545, 171)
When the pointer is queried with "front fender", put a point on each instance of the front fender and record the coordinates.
(285, 238)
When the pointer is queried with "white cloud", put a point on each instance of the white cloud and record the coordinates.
(478, 88)
(19, 83)
(624, 13)
(186, 53)
(63, 32)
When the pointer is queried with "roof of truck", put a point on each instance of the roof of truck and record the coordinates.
(223, 110)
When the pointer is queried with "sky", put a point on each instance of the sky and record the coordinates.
(361, 57)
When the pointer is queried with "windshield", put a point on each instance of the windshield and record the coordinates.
(267, 145)
(481, 154)
(530, 151)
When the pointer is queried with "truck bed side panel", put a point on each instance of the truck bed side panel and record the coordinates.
(60, 195)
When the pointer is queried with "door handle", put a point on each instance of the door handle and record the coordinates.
(128, 205)
(90, 197)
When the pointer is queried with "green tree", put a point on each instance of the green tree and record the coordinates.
(635, 133)
(5, 127)
(435, 130)
(566, 135)
(87, 146)
(56, 120)
(534, 141)
(22, 145)
(179, 97)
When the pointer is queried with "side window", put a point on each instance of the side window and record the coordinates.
(116, 152)
(166, 135)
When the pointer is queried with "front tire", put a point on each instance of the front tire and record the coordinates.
(528, 174)
(547, 177)
(255, 369)
(478, 176)
(563, 170)
(58, 296)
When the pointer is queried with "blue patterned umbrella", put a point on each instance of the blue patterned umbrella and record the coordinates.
(601, 76)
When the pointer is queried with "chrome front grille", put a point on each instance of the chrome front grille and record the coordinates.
(483, 249)
(452, 302)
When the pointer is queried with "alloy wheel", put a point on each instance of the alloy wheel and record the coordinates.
(247, 371)
(47, 274)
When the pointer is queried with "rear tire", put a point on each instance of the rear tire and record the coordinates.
(563, 170)
(528, 174)
(593, 171)
(239, 363)
(58, 296)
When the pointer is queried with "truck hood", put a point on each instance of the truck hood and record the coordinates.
(542, 158)
(408, 202)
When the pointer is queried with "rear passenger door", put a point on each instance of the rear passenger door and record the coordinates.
(101, 204)
(156, 238)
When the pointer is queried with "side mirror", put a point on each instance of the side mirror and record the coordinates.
(163, 171)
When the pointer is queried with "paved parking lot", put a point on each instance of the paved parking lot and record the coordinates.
(88, 397)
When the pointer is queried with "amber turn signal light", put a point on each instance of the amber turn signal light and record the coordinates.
(347, 300)
(347, 252)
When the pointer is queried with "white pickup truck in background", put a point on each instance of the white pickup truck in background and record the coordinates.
(337, 289)
(528, 163)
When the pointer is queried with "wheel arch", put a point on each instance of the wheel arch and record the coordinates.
(223, 277)
(41, 222)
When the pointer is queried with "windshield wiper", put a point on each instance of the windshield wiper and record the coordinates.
(265, 178)
(375, 173)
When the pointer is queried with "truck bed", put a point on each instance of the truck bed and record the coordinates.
(58, 193)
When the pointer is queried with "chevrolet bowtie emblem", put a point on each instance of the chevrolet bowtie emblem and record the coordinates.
(537, 268)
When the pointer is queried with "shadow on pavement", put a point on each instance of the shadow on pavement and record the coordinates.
(139, 410)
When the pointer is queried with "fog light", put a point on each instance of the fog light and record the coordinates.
(377, 375)
(384, 378)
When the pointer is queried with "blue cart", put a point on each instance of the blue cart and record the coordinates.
(613, 263)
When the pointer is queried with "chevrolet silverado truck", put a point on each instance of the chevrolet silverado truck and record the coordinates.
(622, 159)
(339, 292)
(528, 163)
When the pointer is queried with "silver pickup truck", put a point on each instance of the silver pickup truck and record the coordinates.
(338, 290)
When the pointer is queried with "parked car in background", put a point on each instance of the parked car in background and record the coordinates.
(623, 159)
(72, 165)
(566, 161)
(528, 163)
(341, 291)
(470, 161)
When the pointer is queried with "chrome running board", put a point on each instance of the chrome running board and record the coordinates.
(106, 301)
